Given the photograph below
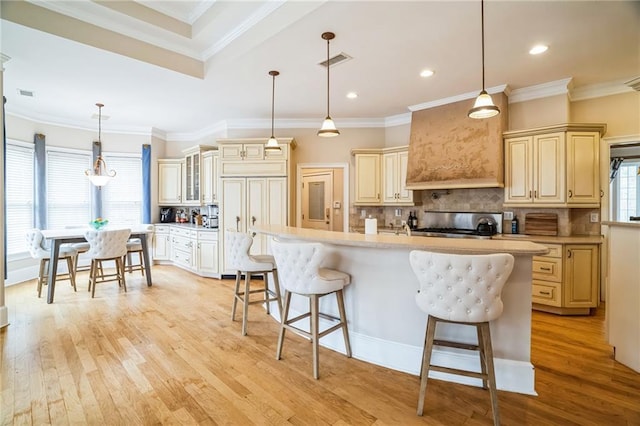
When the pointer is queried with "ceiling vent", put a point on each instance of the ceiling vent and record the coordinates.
(634, 84)
(339, 58)
(28, 93)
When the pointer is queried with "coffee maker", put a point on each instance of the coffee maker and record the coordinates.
(212, 217)
(167, 215)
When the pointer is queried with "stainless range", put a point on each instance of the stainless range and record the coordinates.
(459, 225)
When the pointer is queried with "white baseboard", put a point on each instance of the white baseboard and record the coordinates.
(511, 375)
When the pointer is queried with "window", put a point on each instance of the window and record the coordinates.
(122, 196)
(68, 190)
(625, 191)
(19, 193)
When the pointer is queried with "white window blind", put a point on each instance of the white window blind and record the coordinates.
(68, 189)
(627, 192)
(122, 196)
(19, 193)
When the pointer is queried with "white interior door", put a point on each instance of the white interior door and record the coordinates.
(317, 193)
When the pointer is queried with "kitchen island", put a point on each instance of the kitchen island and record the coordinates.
(386, 326)
(623, 295)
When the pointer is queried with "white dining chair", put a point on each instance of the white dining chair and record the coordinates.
(35, 239)
(107, 245)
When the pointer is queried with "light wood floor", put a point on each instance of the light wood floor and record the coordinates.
(170, 354)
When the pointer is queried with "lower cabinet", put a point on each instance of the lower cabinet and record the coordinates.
(192, 249)
(566, 280)
(161, 243)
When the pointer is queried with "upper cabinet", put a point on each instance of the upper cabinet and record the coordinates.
(553, 166)
(380, 177)
(210, 177)
(247, 157)
(181, 181)
(170, 182)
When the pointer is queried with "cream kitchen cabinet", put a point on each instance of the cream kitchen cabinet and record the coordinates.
(380, 177)
(555, 166)
(170, 182)
(161, 242)
(210, 177)
(247, 157)
(394, 177)
(206, 261)
(566, 280)
(252, 201)
(367, 179)
(192, 175)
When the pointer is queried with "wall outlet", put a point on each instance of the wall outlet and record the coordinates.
(363, 213)
(398, 212)
(507, 215)
(594, 217)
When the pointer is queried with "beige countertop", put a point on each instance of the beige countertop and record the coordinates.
(187, 226)
(572, 239)
(391, 241)
(625, 224)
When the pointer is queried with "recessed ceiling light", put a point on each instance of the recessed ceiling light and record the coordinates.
(426, 73)
(352, 95)
(538, 49)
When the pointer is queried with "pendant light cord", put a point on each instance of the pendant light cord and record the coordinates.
(99, 121)
(482, 26)
(328, 66)
(273, 102)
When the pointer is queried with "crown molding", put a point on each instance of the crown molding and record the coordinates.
(457, 98)
(600, 90)
(218, 130)
(544, 90)
(397, 120)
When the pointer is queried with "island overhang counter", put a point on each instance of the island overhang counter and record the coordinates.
(386, 326)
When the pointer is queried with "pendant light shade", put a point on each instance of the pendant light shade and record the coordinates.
(99, 175)
(272, 143)
(483, 107)
(328, 128)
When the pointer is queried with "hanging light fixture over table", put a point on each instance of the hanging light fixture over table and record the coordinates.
(483, 107)
(272, 143)
(99, 175)
(328, 128)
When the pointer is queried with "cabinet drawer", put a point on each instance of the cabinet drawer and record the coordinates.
(555, 250)
(547, 268)
(161, 229)
(545, 293)
(181, 258)
(181, 243)
(207, 236)
(182, 232)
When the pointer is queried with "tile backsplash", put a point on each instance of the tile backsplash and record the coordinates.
(570, 221)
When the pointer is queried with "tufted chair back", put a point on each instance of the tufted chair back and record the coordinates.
(237, 246)
(463, 288)
(34, 244)
(299, 268)
(107, 244)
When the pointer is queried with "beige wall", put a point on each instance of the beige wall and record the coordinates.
(620, 112)
(397, 135)
(539, 112)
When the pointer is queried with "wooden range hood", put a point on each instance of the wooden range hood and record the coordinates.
(447, 149)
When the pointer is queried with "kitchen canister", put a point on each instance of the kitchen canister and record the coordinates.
(370, 225)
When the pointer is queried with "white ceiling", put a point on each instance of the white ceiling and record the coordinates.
(595, 43)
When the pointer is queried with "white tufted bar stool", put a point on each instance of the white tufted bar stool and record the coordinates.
(237, 246)
(134, 246)
(107, 245)
(34, 244)
(300, 271)
(461, 289)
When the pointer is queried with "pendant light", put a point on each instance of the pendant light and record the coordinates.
(483, 107)
(328, 128)
(99, 175)
(272, 143)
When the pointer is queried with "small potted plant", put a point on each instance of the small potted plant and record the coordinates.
(98, 223)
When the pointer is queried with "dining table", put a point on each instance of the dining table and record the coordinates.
(57, 237)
